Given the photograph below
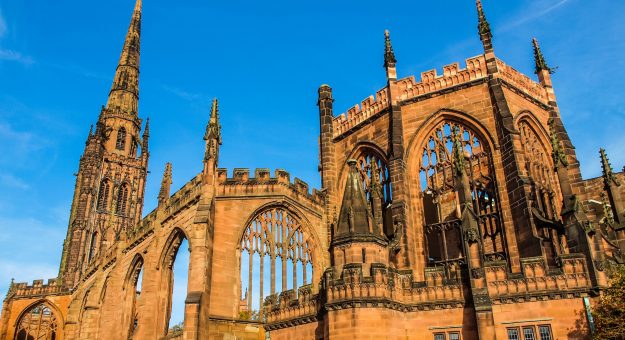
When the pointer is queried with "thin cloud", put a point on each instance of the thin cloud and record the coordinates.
(10, 55)
(535, 15)
(182, 93)
(11, 181)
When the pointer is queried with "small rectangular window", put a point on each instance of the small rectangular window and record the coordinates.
(454, 336)
(439, 336)
(513, 334)
(528, 333)
(545, 332)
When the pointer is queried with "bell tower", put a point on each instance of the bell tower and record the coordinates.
(110, 183)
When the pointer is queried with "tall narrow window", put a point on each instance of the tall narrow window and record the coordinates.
(544, 195)
(133, 296)
(376, 180)
(441, 210)
(103, 195)
(120, 144)
(122, 199)
(177, 275)
(545, 332)
(276, 255)
(37, 323)
(93, 244)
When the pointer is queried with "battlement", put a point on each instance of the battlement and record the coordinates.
(453, 75)
(360, 113)
(431, 82)
(38, 288)
(522, 82)
(262, 181)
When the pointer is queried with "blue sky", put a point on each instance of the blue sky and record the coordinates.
(264, 61)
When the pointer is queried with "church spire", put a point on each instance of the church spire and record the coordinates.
(124, 94)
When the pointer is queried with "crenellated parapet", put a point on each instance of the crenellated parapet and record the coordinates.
(357, 114)
(432, 82)
(262, 183)
(38, 288)
(291, 308)
(520, 82)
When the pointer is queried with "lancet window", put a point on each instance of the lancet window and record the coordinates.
(376, 181)
(276, 255)
(122, 199)
(93, 244)
(120, 144)
(103, 194)
(39, 322)
(133, 295)
(441, 206)
(539, 166)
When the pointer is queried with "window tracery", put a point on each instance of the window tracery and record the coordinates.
(120, 144)
(39, 323)
(103, 195)
(274, 249)
(441, 209)
(376, 181)
(122, 199)
(540, 171)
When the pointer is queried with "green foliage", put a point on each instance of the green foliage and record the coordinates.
(246, 315)
(609, 312)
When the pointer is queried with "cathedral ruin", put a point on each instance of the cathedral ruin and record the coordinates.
(451, 207)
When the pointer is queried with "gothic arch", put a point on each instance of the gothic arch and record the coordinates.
(277, 234)
(176, 236)
(430, 170)
(131, 296)
(137, 263)
(44, 320)
(366, 153)
(448, 114)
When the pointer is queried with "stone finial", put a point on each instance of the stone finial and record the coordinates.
(557, 153)
(163, 194)
(389, 54)
(483, 25)
(146, 137)
(608, 173)
(539, 59)
(212, 136)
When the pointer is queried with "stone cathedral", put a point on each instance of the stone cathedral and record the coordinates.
(452, 207)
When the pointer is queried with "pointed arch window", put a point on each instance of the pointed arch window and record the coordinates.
(544, 195)
(93, 245)
(39, 322)
(120, 144)
(276, 255)
(122, 199)
(376, 181)
(133, 295)
(103, 194)
(441, 209)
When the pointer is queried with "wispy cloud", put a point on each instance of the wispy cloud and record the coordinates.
(10, 55)
(11, 181)
(538, 10)
(182, 93)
